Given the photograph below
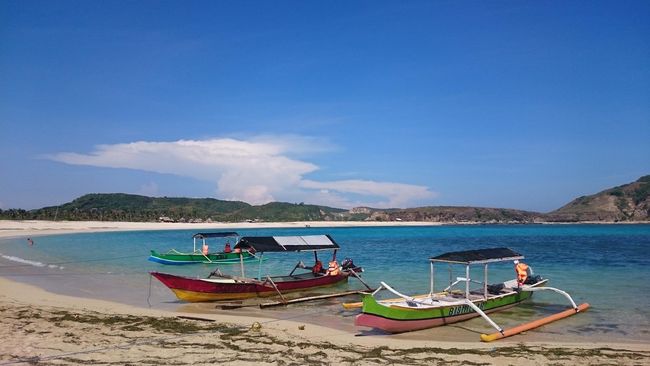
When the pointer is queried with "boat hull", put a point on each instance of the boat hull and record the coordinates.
(202, 290)
(197, 258)
(398, 319)
(401, 326)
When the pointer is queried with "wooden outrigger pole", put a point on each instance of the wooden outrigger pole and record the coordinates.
(309, 298)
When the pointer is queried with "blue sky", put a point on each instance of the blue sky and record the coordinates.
(511, 104)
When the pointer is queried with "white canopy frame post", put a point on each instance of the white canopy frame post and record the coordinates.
(467, 279)
(431, 292)
(241, 263)
(451, 281)
(485, 281)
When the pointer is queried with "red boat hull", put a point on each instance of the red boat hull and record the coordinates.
(200, 290)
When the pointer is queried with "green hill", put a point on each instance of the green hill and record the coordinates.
(282, 211)
(130, 207)
(629, 202)
(459, 214)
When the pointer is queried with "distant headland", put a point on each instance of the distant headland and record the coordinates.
(626, 203)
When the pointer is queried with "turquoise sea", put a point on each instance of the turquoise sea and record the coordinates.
(607, 266)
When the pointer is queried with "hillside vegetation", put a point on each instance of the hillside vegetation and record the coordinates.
(455, 214)
(629, 202)
(130, 207)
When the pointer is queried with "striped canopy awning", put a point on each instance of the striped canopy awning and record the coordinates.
(287, 243)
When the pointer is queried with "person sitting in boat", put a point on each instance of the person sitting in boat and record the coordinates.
(227, 248)
(522, 270)
(204, 249)
(317, 268)
(333, 269)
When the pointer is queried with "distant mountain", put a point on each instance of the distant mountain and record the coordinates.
(456, 214)
(282, 211)
(130, 207)
(629, 202)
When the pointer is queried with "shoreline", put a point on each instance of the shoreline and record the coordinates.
(18, 228)
(42, 326)
(35, 328)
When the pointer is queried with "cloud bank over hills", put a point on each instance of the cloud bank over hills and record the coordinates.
(258, 170)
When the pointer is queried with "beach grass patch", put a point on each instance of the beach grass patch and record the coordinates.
(136, 324)
(230, 343)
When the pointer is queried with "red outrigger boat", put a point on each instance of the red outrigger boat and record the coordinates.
(218, 286)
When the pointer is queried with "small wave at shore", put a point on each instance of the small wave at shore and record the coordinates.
(29, 262)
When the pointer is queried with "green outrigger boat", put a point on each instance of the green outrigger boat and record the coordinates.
(409, 313)
(201, 254)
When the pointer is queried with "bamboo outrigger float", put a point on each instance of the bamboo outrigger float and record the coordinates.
(409, 313)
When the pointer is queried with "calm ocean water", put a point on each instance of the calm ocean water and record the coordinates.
(605, 265)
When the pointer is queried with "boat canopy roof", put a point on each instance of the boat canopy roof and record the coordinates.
(223, 234)
(478, 256)
(287, 243)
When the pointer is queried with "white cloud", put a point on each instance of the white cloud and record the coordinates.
(257, 171)
(390, 194)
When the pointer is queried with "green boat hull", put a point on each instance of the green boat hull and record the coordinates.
(177, 258)
(397, 319)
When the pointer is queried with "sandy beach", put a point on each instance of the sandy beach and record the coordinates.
(40, 327)
(14, 228)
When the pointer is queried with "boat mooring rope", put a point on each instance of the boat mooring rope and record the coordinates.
(149, 293)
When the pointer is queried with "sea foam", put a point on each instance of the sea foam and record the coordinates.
(29, 262)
